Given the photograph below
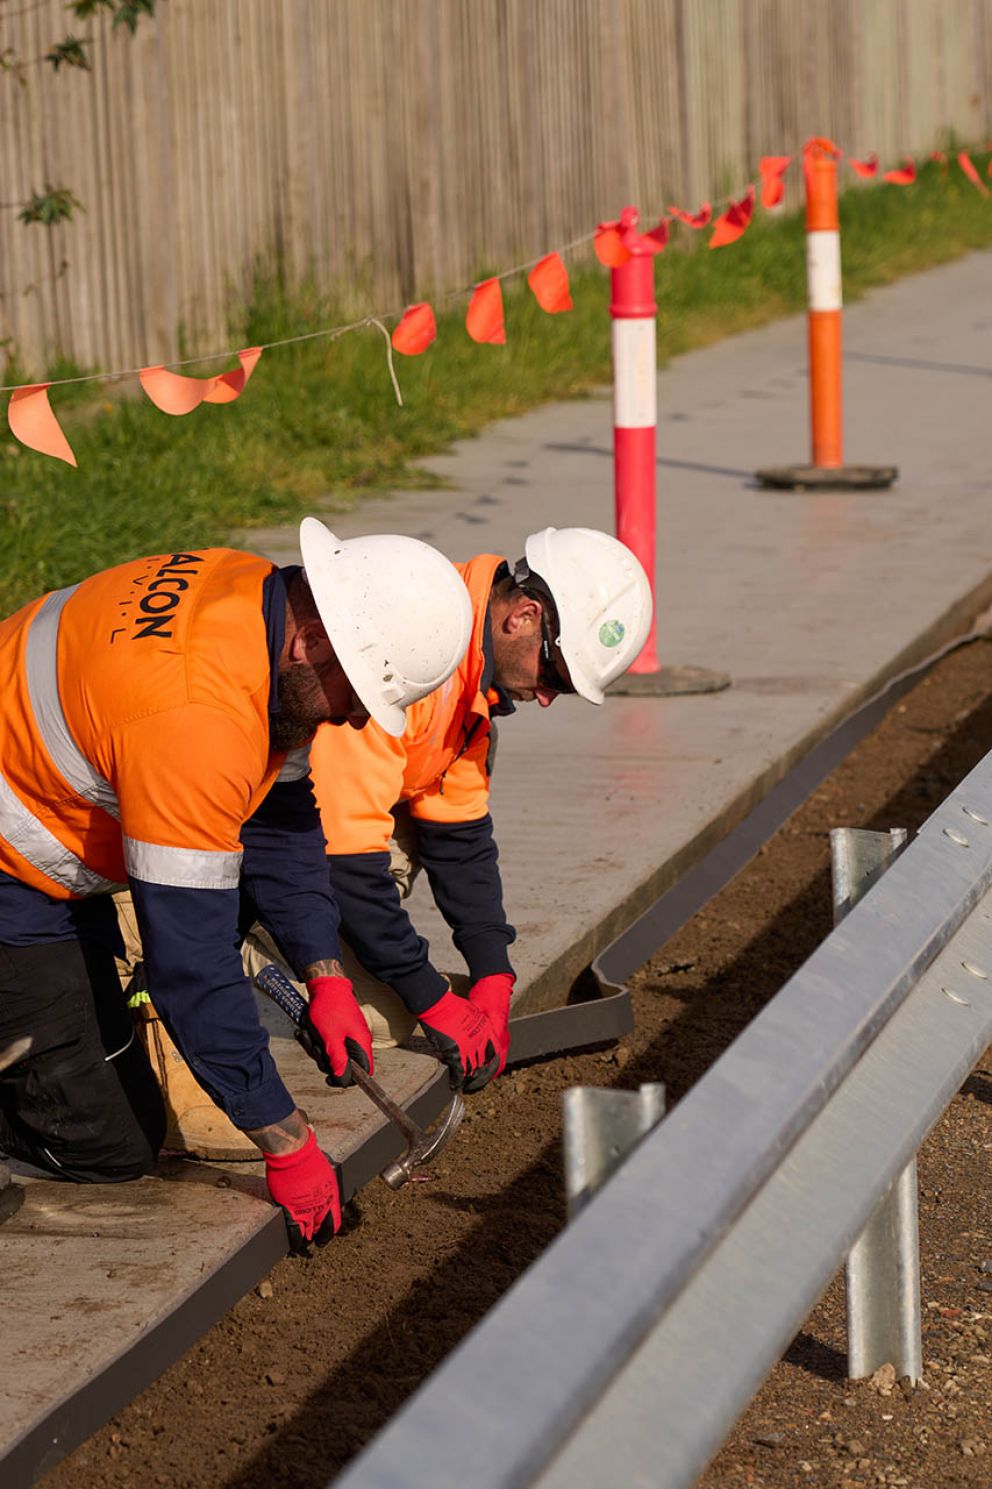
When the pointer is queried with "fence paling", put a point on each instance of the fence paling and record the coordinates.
(398, 146)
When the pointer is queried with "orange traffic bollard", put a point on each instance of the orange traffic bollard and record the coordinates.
(827, 470)
(635, 397)
(823, 291)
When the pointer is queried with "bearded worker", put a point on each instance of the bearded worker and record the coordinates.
(154, 724)
(570, 617)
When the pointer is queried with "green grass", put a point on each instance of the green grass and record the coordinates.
(318, 422)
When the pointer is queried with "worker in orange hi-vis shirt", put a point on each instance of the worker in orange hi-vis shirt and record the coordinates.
(154, 724)
(570, 617)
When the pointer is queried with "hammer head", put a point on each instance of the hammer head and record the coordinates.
(433, 1141)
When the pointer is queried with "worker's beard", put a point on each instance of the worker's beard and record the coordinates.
(302, 706)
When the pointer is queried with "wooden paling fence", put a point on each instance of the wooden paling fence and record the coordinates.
(390, 149)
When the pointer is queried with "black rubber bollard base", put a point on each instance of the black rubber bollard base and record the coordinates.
(821, 478)
(669, 682)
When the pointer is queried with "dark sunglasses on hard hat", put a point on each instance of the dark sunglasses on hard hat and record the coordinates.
(547, 671)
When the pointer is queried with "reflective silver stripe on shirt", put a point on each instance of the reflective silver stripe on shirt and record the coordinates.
(41, 659)
(42, 848)
(297, 765)
(183, 868)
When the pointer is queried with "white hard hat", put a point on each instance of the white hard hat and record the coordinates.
(395, 610)
(602, 597)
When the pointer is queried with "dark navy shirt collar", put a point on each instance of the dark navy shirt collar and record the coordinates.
(504, 705)
(274, 592)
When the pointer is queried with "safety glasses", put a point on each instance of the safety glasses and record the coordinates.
(547, 671)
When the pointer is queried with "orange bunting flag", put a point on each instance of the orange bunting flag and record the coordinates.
(174, 393)
(867, 167)
(484, 321)
(549, 282)
(695, 220)
(773, 168)
(904, 176)
(658, 236)
(32, 421)
(731, 224)
(971, 171)
(609, 246)
(416, 330)
(617, 242)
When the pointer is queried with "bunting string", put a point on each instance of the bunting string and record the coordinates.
(33, 422)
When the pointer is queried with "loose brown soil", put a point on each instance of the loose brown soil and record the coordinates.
(298, 1377)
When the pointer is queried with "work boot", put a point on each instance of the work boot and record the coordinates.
(196, 1125)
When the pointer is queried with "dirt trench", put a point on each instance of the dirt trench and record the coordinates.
(308, 1367)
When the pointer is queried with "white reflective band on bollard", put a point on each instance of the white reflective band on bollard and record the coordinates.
(635, 375)
(823, 281)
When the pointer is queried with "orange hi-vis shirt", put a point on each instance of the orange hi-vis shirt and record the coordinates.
(134, 733)
(440, 769)
(438, 765)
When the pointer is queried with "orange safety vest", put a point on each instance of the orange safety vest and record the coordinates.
(134, 731)
(438, 765)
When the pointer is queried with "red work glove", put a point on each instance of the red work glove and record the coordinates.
(333, 1030)
(492, 995)
(305, 1185)
(464, 1039)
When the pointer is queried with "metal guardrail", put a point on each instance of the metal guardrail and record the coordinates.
(627, 1351)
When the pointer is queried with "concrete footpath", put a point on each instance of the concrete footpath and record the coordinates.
(809, 602)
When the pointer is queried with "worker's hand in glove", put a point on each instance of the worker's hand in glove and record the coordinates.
(333, 1031)
(305, 1185)
(492, 995)
(464, 1038)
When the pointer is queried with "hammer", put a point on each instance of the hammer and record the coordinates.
(421, 1146)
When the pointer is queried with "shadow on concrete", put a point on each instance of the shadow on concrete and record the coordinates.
(707, 470)
(918, 364)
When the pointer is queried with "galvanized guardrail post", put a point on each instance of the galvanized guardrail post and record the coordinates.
(601, 1126)
(883, 1267)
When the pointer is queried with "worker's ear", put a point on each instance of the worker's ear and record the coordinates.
(522, 617)
(309, 644)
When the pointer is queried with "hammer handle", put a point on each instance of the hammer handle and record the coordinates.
(277, 986)
(387, 1105)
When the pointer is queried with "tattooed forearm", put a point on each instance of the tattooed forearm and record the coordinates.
(281, 1137)
(323, 969)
